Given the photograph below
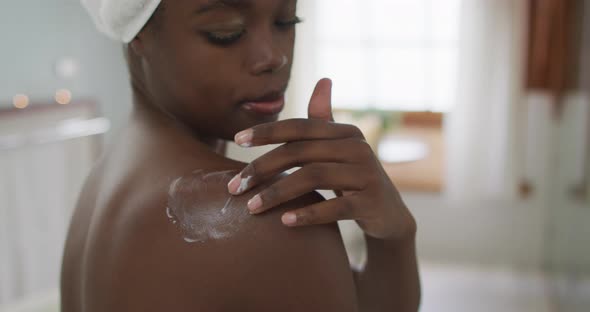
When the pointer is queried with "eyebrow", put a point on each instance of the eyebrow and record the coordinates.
(216, 4)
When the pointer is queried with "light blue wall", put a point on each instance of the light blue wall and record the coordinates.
(34, 34)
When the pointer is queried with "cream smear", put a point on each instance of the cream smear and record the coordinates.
(200, 220)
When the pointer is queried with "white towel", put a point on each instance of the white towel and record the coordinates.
(121, 20)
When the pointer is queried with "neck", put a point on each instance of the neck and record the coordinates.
(153, 118)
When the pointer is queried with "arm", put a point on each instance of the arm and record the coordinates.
(389, 281)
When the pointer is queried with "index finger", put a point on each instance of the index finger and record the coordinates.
(290, 130)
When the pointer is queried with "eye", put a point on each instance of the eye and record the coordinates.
(224, 38)
(289, 23)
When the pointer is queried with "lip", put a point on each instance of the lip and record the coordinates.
(271, 104)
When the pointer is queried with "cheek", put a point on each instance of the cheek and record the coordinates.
(200, 77)
(205, 85)
(288, 44)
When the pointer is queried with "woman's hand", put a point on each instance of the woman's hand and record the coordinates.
(331, 156)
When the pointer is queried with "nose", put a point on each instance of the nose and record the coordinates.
(266, 56)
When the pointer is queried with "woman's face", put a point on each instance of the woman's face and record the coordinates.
(220, 66)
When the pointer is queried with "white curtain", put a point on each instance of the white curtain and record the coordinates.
(39, 185)
(481, 130)
(32, 195)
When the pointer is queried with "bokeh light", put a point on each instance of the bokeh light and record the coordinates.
(63, 96)
(20, 101)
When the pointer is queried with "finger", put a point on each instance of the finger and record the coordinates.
(295, 130)
(336, 209)
(322, 176)
(320, 104)
(298, 154)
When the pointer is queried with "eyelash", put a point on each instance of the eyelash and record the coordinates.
(228, 39)
(224, 39)
(290, 23)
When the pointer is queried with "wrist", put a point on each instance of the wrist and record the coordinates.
(404, 233)
(377, 248)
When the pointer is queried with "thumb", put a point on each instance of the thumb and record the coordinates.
(320, 105)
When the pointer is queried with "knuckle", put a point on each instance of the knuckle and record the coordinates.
(263, 133)
(346, 209)
(314, 174)
(370, 178)
(307, 216)
(355, 131)
(365, 148)
(300, 127)
(270, 195)
(360, 147)
(251, 170)
(292, 152)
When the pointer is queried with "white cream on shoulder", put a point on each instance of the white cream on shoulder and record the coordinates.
(202, 217)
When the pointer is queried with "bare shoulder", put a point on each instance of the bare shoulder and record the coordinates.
(191, 245)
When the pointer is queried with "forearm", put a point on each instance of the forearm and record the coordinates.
(389, 280)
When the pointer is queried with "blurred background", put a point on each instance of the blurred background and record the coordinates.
(478, 109)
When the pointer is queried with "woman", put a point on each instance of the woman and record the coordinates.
(166, 222)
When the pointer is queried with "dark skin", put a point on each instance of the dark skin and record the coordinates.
(124, 254)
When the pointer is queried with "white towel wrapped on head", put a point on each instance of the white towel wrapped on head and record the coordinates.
(120, 19)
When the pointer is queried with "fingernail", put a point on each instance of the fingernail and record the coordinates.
(255, 203)
(244, 138)
(234, 184)
(289, 218)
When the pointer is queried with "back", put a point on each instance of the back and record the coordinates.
(157, 231)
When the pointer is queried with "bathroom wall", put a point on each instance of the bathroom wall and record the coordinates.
(35, 34)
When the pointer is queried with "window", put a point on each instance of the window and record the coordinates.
(388, 54)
